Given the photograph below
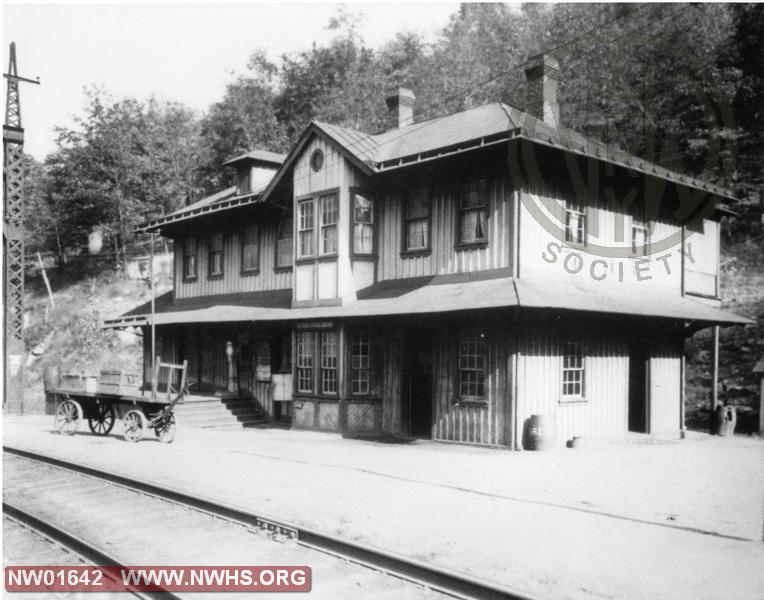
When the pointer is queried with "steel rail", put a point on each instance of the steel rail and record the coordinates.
(440, 579)
(76, 544)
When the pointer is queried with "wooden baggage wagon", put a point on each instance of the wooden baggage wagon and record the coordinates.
(115, 395)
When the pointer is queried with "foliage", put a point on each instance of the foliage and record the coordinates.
(678, 83)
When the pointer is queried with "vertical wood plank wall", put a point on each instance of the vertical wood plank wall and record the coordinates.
(604, 411)
(444, 258)
(232, 280)
(665, 369)
(204, 349)
(475, 424)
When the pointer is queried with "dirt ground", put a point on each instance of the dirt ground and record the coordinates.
(637, 519)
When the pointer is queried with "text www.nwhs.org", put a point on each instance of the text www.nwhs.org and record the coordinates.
(155, 579)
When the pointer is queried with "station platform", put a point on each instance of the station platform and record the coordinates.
(671, 519)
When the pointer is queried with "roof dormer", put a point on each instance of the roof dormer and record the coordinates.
(255, 169)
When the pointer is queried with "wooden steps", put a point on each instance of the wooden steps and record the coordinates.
(211, 412)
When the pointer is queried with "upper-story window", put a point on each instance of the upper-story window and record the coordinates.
(284, 246)
(305, 228)
(639, 233)
(245, 181)
(575, 223)
(215, 256)
(473, 212)
(417, 212)
(329, 214)
(573, 367)
(190, 253)
(363, 224)
(472, 351)
(250, 250)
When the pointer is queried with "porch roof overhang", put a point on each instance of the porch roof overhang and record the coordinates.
(434, 295)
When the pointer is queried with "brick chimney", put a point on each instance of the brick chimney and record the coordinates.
(542, 94)
(400, 104)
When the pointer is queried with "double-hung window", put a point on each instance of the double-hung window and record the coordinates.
(416, 232)
(329, 213)
(317, 368)
(473, 212)
(472, 359)
(190, 253)
(250, 250)
(575, 223)
(360, 367)
(573, 367)
(363, 224)
(329, 362)
(215, 256)
(284, 244)
(639, 233)
(305, 362)
(306, 224)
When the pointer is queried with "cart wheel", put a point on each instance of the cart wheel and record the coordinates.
(68, 417)
(165, 429)
(134, 425)
(103, 422)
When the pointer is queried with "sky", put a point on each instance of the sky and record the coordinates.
(184, 52)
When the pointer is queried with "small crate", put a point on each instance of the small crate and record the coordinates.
(74, 382)
(118, 382)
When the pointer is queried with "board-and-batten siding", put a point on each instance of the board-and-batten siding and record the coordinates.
(232, 281)
(472, 423)
(665, 376)
(444, 257)
(539, 383)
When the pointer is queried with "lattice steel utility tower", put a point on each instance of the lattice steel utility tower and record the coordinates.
(13, 241)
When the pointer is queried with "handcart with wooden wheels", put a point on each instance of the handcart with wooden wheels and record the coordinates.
(101, 404)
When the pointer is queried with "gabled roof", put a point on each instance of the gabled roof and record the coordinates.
(470, 129)
(259, 156)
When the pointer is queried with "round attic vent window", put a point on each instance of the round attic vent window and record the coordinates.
(317, 160)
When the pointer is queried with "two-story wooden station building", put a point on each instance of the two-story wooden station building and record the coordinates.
(447, 279)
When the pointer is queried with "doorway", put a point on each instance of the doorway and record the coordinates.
(418, 384)
(638, 396)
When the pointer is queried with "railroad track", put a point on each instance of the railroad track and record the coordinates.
(67, 548)
(393, 569)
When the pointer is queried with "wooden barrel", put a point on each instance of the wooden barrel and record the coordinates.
(540, 432)
(51, 377)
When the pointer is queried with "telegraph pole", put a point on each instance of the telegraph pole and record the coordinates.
(13, 241)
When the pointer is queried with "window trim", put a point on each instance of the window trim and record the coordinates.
(210, 274)
(300, 202)
(460, 244)
(366, 193)
(569, 208)
(427, 249)
(316, 349)
(337, 351)
(639, 223)
(578, 338)
(283, 268)
(195, 276)
(464, 398)
(321, 225)
(242, 237)
(368, 369)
